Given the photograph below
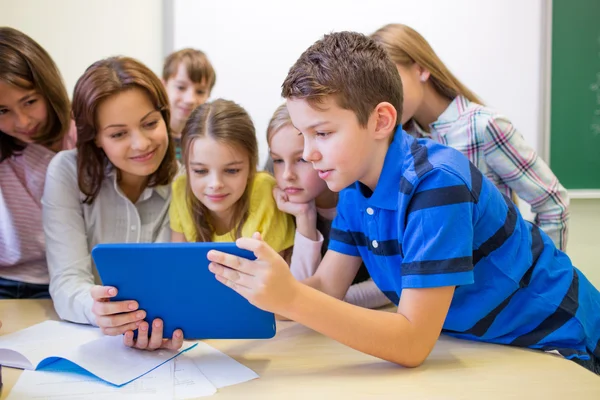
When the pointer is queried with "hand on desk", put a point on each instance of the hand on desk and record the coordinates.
(123, 317)
(266, 282)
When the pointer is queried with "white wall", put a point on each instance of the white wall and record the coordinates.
(584, 237)
(77, 33)
(493, 46)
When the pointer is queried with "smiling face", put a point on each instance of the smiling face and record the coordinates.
(184, 96)
(132, 133)
(23, 113)
(294, 175)
(218, 175)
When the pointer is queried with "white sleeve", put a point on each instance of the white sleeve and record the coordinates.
(306, 256)
(67, 252)
(366, 294)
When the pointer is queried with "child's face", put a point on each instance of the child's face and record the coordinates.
(132, 133)
(295, 176)
(412, 89)
(218, 174)
(23, 113)
(337, 146)
(184, 96)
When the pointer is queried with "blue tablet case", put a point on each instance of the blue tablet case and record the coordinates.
(171, 281)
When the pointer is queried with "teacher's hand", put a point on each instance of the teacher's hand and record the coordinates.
(115, 317)
(156, 340)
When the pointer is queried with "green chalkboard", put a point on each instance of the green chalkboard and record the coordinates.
(575, 93)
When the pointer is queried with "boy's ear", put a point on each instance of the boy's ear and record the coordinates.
(385, 124)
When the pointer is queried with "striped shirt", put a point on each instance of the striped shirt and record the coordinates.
(492, 143)
(22, 249)
(73, 228)
(434, 220)
(22, 246)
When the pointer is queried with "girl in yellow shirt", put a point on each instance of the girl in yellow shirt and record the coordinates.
(222, 197)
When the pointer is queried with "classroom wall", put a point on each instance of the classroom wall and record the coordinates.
(584, 239)
(252, 56)
(77, 33)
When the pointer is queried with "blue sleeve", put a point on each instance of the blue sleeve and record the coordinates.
(438, 236)
(341, 238)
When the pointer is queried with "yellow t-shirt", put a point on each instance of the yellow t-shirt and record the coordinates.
(276, 227)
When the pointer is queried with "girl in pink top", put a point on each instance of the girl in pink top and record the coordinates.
(34, 125)
(301, 193)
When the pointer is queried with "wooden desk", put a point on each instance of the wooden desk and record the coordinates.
(300, 363)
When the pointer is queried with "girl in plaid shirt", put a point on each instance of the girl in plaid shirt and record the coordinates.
(437, 105)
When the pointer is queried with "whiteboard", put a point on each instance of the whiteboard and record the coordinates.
(495, 47)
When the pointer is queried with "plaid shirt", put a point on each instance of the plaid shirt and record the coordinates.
(491, 143)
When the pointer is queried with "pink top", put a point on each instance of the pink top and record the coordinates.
(22, 245)
(307, 257)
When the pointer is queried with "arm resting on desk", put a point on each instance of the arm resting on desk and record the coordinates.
(406, 337)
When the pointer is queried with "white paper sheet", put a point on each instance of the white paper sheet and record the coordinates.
(195, 373)
(109, 359)
(47, 339)
(76, 383)
(190, 382)
(203, 369)
(104, 356)
(220, 369)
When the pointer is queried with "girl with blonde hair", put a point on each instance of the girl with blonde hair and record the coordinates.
(301, 193)
(222, 197)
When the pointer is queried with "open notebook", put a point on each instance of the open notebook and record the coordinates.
(54, 345)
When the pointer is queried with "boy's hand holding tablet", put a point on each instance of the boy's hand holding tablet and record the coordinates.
(266, 282)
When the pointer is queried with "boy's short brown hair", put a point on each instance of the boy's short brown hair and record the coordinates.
(199, 69)
(349, 66)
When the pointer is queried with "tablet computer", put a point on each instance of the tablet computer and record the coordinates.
(171, 281)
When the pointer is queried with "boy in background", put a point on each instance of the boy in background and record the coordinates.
(189, 77)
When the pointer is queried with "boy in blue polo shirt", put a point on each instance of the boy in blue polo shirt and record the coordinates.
(436, 236)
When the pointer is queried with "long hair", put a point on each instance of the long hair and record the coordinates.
(405, 46)
(103, 79)
(25, 64)
(228, 123)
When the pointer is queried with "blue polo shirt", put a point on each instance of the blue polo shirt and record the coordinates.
(434, 220)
